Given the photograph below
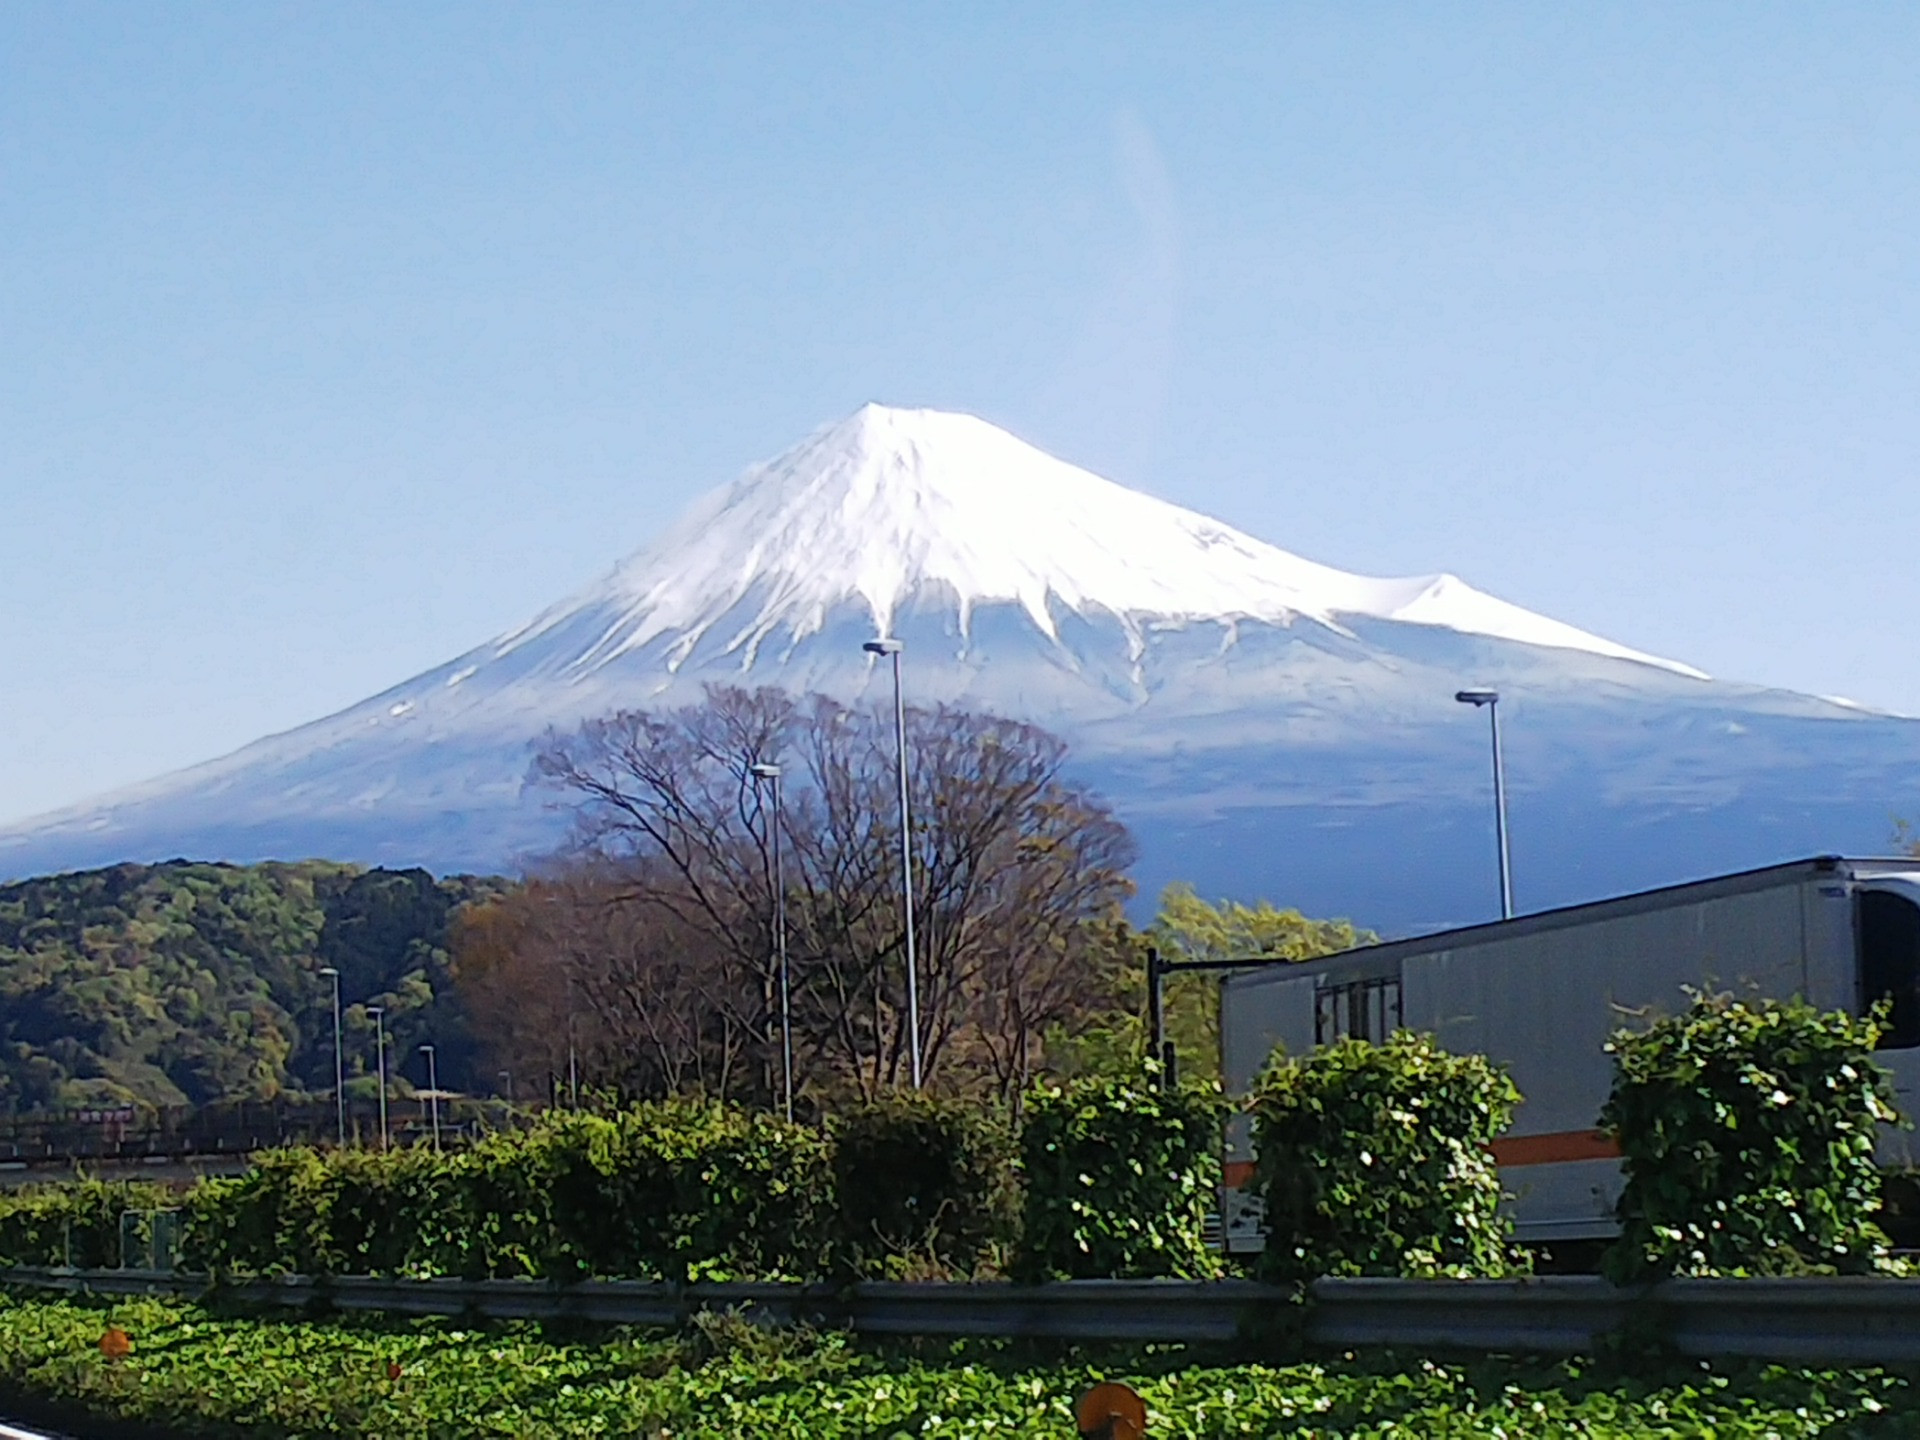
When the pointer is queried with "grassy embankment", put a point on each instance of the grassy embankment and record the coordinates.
(200, 1372)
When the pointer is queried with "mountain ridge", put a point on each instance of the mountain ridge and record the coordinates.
(888, 502)
(1195, 671)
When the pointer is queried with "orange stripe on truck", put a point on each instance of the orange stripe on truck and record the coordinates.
(1549, 1149)
(1557, 1146)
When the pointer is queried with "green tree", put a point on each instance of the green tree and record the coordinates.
(189, 983)
(1189, 928)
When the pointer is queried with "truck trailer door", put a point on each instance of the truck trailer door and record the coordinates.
(1887, 934)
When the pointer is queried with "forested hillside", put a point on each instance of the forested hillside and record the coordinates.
(188, 983)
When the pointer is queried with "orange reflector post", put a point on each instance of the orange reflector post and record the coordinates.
(1111, 1411)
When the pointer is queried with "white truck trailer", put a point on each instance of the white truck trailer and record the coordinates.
(1541, 993)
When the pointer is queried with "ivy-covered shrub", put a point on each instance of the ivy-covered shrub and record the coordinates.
(501, 1221)
(659, 1192)
(71, 1224)
(1371, 1159)
(688, 1191)
(393, 1212)
(1120, 1176)
(276, 1219)
(1747, 1130)
(922, 1187)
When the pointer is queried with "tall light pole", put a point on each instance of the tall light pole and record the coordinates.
(339, 1060)
(573, 1065)
(1491, 700)
(893, 648)
(379, 1014)
(573, 1068)
(433, 1094)
(506, 1080)
(771, 774)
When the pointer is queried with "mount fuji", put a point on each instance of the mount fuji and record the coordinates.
(1266, 725)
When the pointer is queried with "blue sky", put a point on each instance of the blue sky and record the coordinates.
(335, 339)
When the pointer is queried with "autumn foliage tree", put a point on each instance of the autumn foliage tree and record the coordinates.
(653, 932)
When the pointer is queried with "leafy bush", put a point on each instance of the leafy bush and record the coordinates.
(921, 1186)
(1120, 1176)
(320, 1212)
(1747, 1129)
(278, 1218)
(688, 1191)
(659, 1192)
(1372, 1160)
(71, 1224)
(500, 1212)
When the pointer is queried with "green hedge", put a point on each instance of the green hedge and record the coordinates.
(922, 1186)
(71, 1224)
(688, 1192)
(1747, 1130)
(675, 1192)
(1120, 1177)
(326, 1212)
(1371, 1159)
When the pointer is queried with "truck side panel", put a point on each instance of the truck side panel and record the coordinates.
(1543, 996)
(1544, 1004)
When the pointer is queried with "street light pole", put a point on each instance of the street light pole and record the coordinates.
(893, 648)
(771, 774)
(339, 1060)
(1491, 700)
(433, 1094)
(573, 1065)
(379, 1014)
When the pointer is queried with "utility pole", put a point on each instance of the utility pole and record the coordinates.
(892, 648)
(433, 1094)
(771, 774)
(339, 1061)
(379, 1014)
(1490, 699)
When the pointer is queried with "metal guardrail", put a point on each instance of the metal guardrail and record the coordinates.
(1843, 1320)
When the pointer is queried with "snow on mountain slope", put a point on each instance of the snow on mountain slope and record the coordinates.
(893, 503)
(1266, 725)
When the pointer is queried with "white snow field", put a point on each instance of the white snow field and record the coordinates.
(1267, 725)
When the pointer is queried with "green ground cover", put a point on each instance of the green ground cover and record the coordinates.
(201, 1372)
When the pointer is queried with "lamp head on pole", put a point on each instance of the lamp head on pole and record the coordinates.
(426, 1049)
(764, 771)
(1477, 698)
(883, 647)
(328, 971)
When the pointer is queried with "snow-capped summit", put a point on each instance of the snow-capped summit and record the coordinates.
(1266, 725)
(890, 506)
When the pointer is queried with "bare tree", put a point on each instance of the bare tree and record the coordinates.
(670, 814)
(1014, 868)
